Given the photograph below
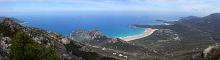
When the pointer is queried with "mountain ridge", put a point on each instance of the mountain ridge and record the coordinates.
(10, 28)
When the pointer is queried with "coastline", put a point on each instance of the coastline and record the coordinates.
(147, 32)
(23, 22)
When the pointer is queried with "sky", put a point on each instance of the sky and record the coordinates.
(190, 6)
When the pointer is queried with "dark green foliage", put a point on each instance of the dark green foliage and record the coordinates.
(17, 48)
(216, 56)
(6, 31)
(24, 48)
(72, 47)
(51, 54)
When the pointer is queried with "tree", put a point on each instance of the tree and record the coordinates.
(17, 47)
(51, 54)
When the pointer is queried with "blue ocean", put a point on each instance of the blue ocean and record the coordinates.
(110, 24)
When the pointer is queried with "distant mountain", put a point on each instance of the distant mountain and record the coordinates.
(207, 24)
(187, 36)
(14, 19)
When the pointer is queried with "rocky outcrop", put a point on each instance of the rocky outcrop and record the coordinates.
(5, 44)
(4, 47)
(211, 50)
(10, 23)
(92, 36)
(51, 39)
(8, 29)
(210, 53)
(83, 35)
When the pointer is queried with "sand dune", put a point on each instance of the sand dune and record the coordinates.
(148, 32)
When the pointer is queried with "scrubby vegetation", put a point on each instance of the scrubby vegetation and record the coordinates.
(194, 34)
(24, 48)
(72, 47)
(216, 56)
(190, 38)
(6, 31)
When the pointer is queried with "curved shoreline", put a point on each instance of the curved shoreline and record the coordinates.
(148, 32)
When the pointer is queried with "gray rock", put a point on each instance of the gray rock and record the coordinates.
(5, 44)
(10, 23)
(4, 47)
(4, 57)
(86, 35)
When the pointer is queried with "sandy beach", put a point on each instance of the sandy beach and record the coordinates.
(148, 32)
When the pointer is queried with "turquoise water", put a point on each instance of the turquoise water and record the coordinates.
(110, 24)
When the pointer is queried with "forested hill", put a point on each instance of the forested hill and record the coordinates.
(188, 37)
(209, 24)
